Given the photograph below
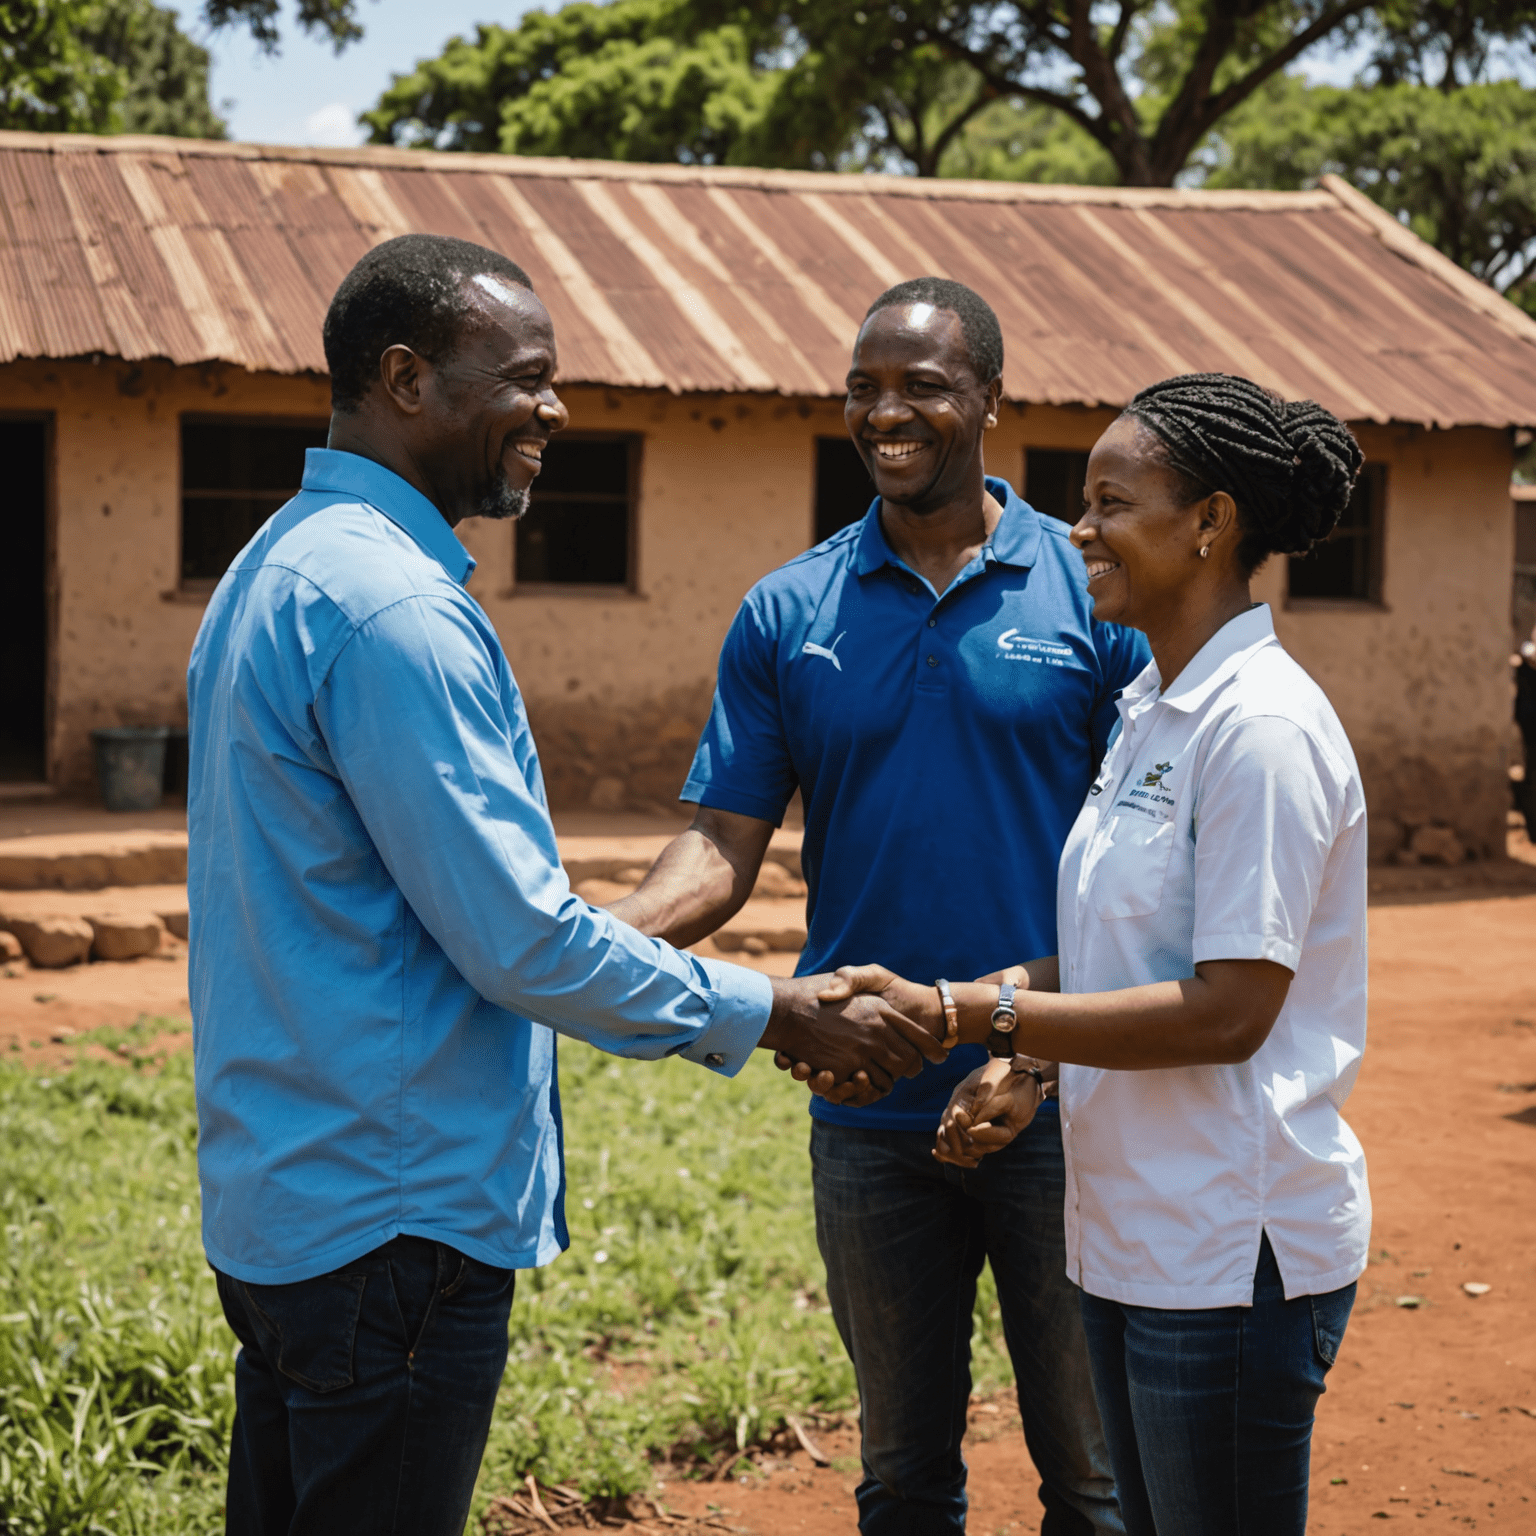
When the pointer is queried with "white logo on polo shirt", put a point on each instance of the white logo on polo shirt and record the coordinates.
(829, 651)
(1044, 653)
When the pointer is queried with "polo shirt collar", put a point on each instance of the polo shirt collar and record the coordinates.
(1221, 657)
(350, 474)
(1015, 540)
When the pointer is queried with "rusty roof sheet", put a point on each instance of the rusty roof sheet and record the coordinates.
(713, 279)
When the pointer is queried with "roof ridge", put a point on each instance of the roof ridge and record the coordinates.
(833, 182)
(1402, 241)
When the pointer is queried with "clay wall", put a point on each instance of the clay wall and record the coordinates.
(618, 683)
(1421, 680)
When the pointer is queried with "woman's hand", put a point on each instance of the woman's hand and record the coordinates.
(911, 1001)
(985, 1112)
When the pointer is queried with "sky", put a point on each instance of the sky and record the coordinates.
(310, 95)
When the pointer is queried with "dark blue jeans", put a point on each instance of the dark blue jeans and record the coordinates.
(1209, 1413)
(363, 1397)
(904, 1238)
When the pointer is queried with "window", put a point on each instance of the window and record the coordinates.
(843, 487)
(1054, 480)
(234, 476)
(1346, 566)
(577, 531)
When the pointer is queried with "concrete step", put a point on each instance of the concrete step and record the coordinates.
(93, 861)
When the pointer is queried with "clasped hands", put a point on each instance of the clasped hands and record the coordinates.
(987, 1110)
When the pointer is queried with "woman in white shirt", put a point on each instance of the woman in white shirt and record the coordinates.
(1208, 1002)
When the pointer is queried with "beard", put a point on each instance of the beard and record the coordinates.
(502, 501)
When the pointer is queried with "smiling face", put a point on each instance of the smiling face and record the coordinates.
(916, 410)
(489, 409)
(1141, 535)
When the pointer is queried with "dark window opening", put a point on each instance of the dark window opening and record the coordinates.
(843, 487)
(234, 476)
(1346, 566)
(1054, 480)
(23, 601)
(577, 531)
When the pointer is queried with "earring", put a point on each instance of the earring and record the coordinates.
(1205, 551)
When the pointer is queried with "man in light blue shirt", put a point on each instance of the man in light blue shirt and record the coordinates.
(383, 940)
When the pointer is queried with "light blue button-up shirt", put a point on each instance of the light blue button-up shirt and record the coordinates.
(382, 935)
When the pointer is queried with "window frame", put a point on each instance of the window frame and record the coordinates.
(630, 587)
(200, 588)
(1375, 531)
(1056, 448)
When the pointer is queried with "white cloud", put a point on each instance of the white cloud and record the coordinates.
(333, 127)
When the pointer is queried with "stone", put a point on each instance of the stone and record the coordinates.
(608, 794)
(773, 880)
(753, 945)
(1436, 845)
(124, 935)
(52, 940)
(175, 923)
(10, 947)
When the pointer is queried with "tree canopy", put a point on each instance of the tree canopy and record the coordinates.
(125, 66)
(828, 83)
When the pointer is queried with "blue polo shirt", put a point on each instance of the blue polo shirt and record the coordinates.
(942, 746)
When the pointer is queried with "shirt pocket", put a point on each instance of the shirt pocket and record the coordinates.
(1132, 865)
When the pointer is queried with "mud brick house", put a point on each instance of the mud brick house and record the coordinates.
(161, 374)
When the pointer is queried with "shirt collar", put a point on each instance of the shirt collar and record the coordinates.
(350, 474)
(1221, 657)
(1015, 540)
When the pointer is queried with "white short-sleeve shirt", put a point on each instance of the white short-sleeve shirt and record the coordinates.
(1227, 823)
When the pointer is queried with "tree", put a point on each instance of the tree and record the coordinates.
(820, 82)
(115, 66)
(51, 80)
(335, 19)
(1458, 167)
(164, 73)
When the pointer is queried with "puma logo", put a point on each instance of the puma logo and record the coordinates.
(829, 651)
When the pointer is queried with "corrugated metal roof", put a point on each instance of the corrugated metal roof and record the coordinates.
(712, 279)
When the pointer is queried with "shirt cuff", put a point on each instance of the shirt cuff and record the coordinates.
(718, 798)
(743, 1001)
(1247, 946)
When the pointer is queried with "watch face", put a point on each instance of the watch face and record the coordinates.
(1005, 1023)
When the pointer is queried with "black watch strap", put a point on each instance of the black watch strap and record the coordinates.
(1004, 1022)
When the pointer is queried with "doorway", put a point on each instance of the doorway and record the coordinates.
(24, 602)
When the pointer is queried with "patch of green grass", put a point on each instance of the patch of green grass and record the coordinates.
(690, 1313)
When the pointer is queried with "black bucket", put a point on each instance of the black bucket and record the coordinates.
(130, 766)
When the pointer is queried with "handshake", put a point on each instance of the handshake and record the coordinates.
(849, 1035)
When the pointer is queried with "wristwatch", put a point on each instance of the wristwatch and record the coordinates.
(1004, 1022)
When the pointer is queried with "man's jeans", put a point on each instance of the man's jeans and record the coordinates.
(1209, 1413)
(904, 1237)
(363, 1397)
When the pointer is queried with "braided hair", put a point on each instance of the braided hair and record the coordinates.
(1289, 465)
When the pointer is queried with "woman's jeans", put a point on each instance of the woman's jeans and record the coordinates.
(1209, 1413)
(363, 1397)
(904, 1238)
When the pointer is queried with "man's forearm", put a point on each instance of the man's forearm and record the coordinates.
(700, 881)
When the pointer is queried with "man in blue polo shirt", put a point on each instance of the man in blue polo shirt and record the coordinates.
(933, 683)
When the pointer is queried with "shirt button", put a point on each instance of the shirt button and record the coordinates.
(933, 661)
(714, 1059)
(932, 622)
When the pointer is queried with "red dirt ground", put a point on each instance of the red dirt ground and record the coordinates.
(1430, 1415)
